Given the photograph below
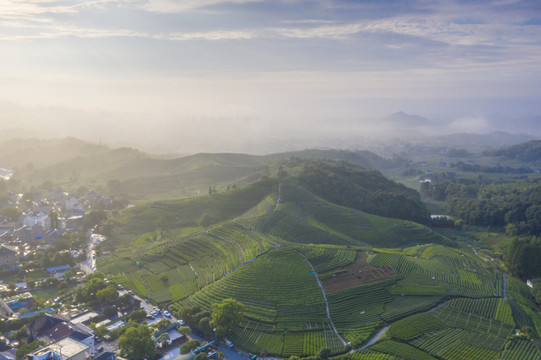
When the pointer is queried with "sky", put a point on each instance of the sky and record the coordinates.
(117, 69)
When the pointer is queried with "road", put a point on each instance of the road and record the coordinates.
(90, 263)
(231, 354)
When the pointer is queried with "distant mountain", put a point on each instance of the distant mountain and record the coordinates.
(75, 162)
(40, 153)
(402, 119)
(477, 142)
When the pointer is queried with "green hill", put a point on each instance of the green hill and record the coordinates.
(362, 189)
(288, 254)
(194, 241)
(141, 176)
(526, 152)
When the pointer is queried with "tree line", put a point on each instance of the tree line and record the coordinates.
(367, 190)
(517, 206)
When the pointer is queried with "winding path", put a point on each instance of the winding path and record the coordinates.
(326, 302)
(380, 333)
(374, 339)
(279, 194)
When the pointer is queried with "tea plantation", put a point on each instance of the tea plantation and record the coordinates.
(314, 274)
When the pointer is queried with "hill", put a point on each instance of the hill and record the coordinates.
(478, 142)
(313, 273)
(401, 119)
(526, 152)
(362, 158)
(30, 154)
(188, 237)
(362, 189)
(141, 176)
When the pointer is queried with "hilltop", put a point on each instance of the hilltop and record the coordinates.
(141, 176)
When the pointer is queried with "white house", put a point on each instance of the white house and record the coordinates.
(40, 218)
(73, 205)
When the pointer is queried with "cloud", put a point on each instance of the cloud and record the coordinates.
(322, 32)
(470, 124)
(177, 6)
(212, 35)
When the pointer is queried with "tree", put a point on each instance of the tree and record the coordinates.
(106, 295)
(136, 343)
(201, 356)
(184, 330)
(63, 285)
(164, 339)
(186, 313)
(101, 331)
(109, 311)
(204, 326)
(21, 333)
(123, 302)
(51, 281)
(324, 353)
(459, 224)
(53, 217)
(189, 346)
(94, 217)
(207, 220)
(27, 349)
(11, 212)
(226, 316)
(89, 292)
(163, 324)
(138, 315)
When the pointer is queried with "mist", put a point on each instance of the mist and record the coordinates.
(261, 76)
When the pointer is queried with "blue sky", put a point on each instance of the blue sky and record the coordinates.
(272, 59)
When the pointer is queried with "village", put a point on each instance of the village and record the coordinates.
(54, 303)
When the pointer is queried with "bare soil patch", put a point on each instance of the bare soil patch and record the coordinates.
(356, 274)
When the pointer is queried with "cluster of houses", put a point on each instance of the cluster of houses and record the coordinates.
(64, 339)
(44, 218)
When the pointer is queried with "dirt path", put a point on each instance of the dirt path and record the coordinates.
(326, 302)
(380, 333)
(374, 339)
(279, 194)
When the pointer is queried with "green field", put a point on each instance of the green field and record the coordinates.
(267, 244)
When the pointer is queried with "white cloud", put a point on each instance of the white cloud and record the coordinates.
(176, 6)
(470, 124)
(212, 35)
(322, 32)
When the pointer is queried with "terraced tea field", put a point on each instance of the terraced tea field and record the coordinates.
(273, 255)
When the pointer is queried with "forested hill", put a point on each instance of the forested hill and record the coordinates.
(528, 151)
(362, 189)
(363, 158)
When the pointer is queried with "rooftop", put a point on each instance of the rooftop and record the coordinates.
(65, 349)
